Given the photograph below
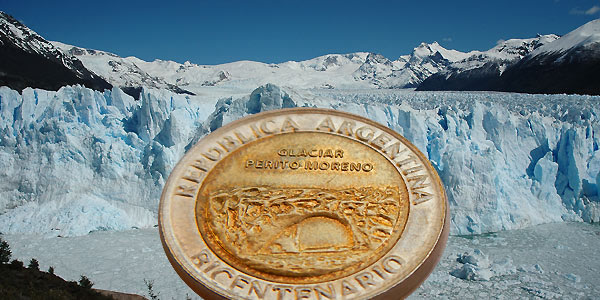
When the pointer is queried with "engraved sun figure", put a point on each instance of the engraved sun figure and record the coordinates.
(312, 235)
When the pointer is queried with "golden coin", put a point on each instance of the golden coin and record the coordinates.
(303, 203)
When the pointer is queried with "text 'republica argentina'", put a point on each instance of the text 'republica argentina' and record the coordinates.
(408, 163)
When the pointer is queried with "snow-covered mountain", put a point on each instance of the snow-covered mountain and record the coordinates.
(121, 72)
(428, 67)
(28, 60)
(548, 64)
(79, 160)
(584, 37)
(354, 70)
(513, 65)
(425, 60)
(569, 65)
(504, 54)
(480, 70)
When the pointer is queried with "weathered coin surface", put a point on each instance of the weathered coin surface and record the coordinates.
(303, 204)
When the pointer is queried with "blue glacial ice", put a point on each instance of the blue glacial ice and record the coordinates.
(77, 160)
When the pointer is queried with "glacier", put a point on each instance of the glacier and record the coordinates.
(76, 160)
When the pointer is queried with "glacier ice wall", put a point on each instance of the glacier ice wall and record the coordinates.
(77, 160)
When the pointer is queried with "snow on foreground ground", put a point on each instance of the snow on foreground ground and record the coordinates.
(77, 161)
(550, 261)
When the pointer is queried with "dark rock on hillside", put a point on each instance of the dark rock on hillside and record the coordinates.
(577, 73)
(28, 60)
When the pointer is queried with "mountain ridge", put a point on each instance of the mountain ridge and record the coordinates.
(514, 65)
(28, 60)
(569, 64)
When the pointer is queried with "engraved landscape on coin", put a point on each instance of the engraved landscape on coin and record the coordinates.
(282, 209)
(305, 231)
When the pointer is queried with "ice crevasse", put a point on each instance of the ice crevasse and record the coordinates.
(78, 160)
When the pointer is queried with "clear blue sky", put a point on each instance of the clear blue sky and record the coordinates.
(275, 31)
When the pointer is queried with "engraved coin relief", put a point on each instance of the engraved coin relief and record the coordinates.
(269, 230)
(273, 229)
(303, 204)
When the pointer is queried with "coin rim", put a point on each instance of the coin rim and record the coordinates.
(400, 289)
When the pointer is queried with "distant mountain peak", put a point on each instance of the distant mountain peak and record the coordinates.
(422, 50)
(376, 58)
(430, 49)
(518, 48)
